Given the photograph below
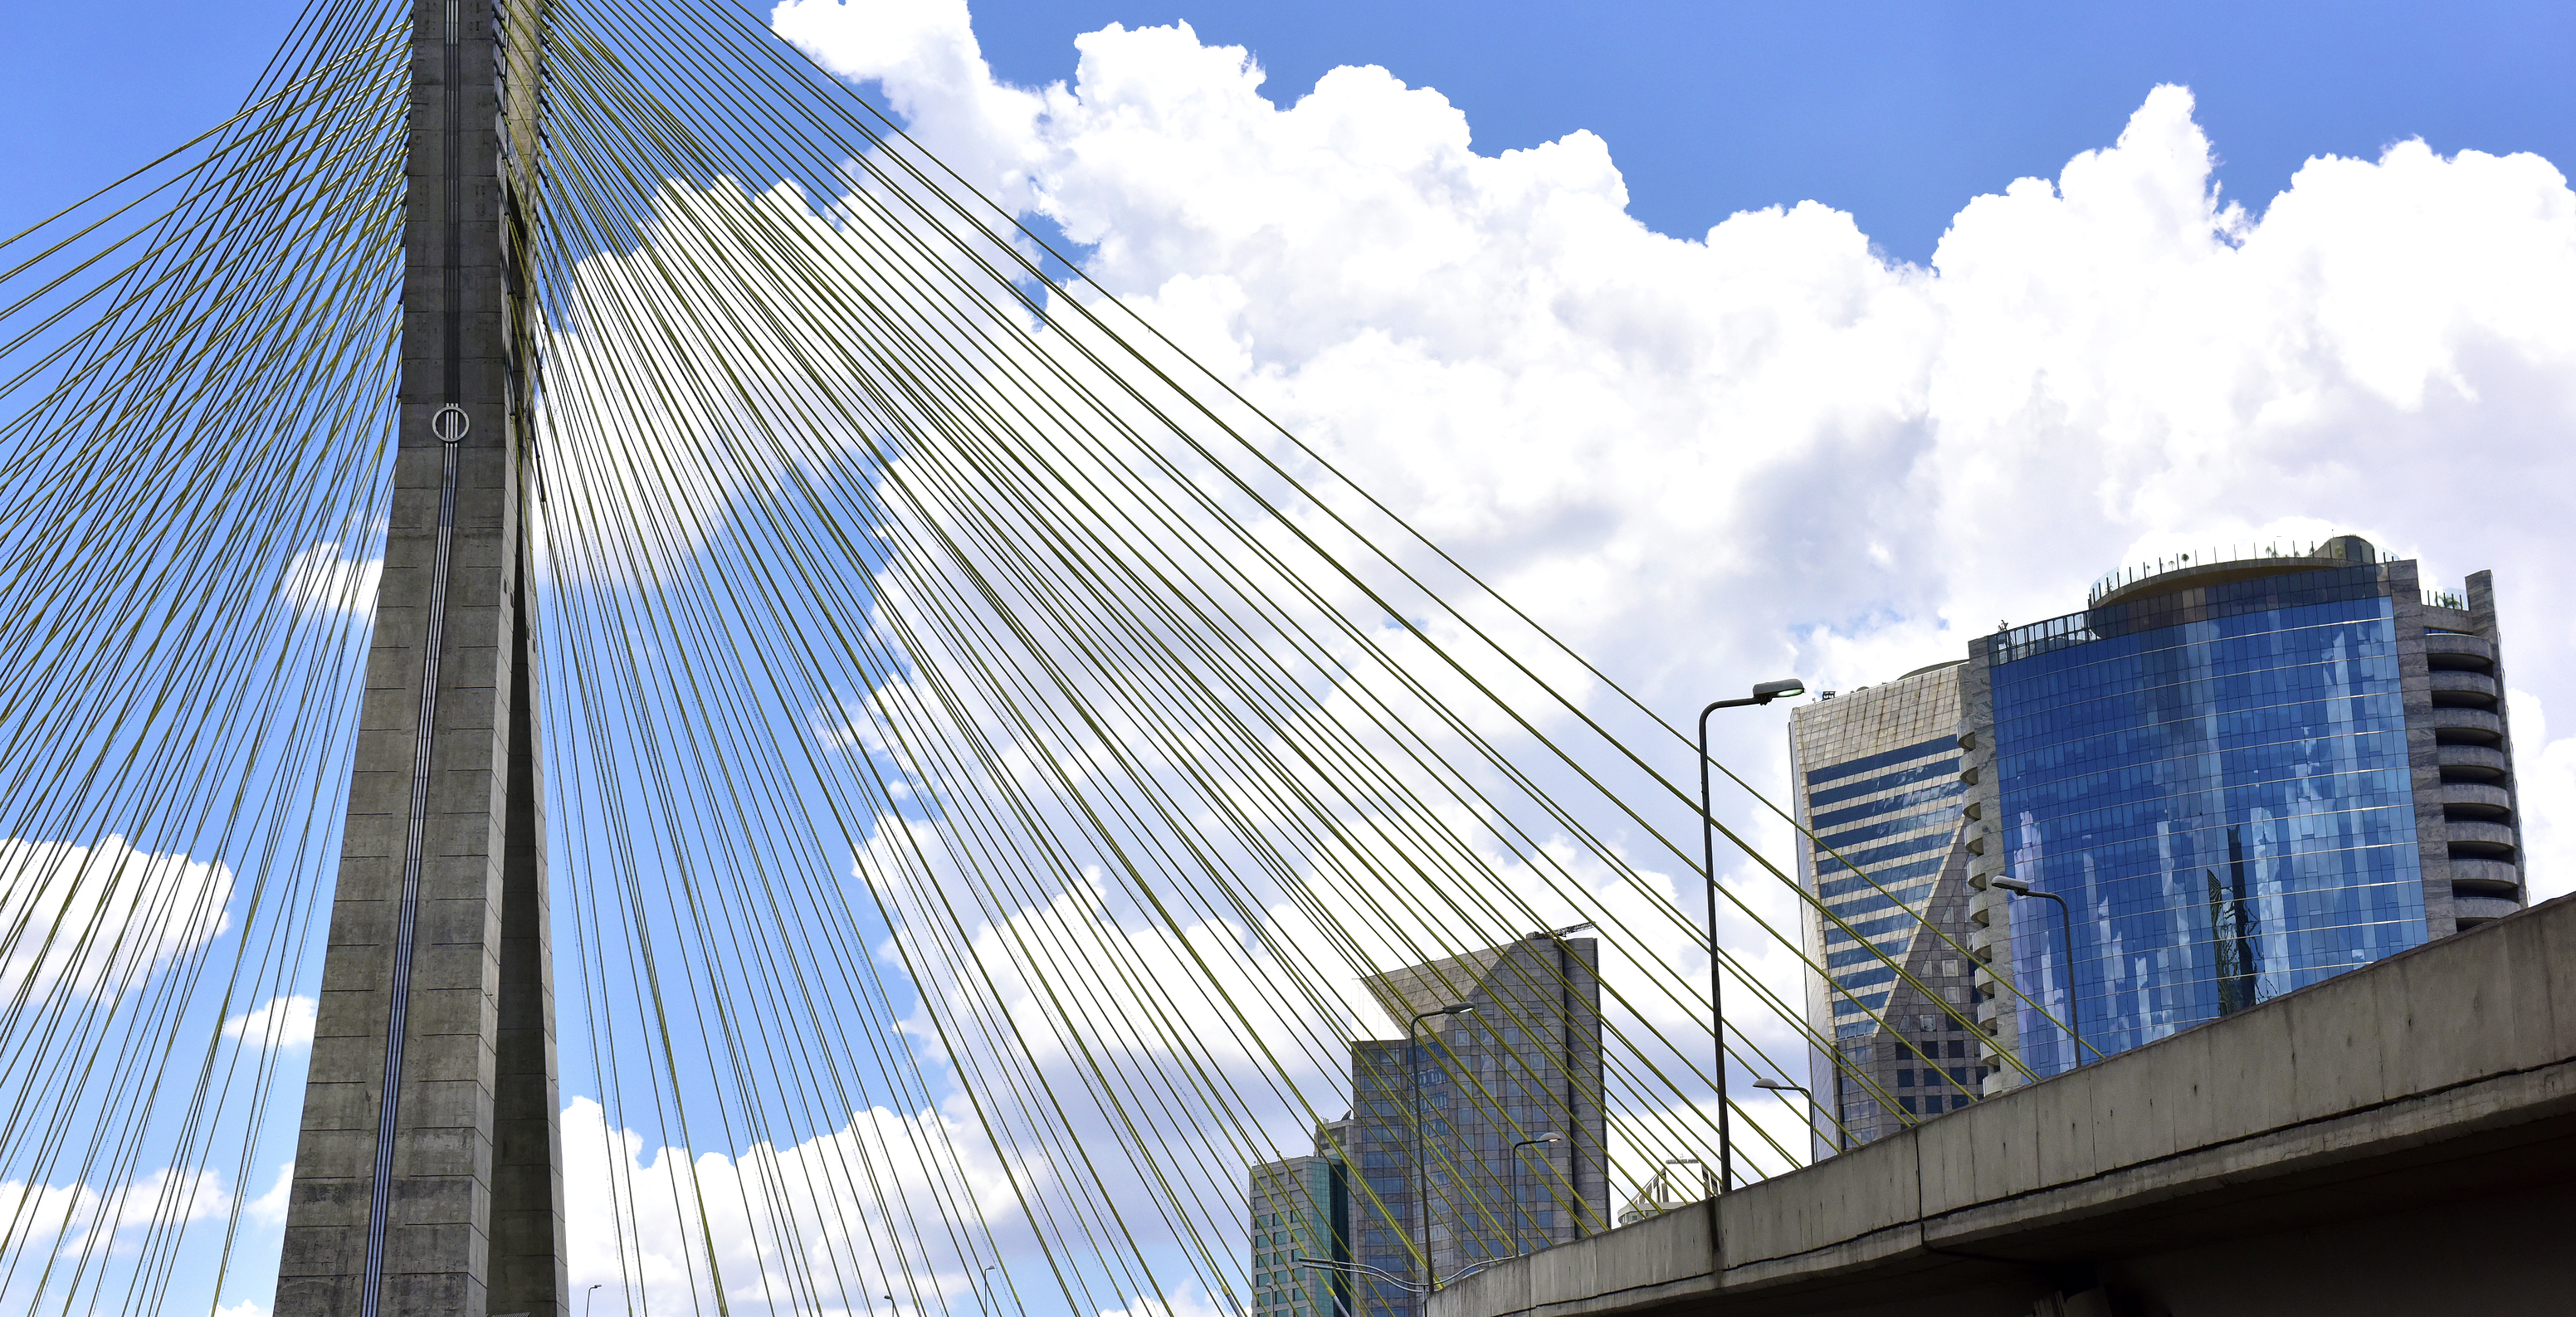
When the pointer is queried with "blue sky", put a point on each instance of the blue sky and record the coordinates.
(1898, 115)
(1895, 112)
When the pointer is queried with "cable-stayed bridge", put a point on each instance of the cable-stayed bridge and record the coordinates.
(561, 512)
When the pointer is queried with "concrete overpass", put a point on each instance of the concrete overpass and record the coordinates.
(2401, 1139)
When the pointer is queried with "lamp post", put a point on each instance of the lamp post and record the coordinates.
(1762, 694)
(588, 1295)
(984, 1282)
(1784, 1086)
(1549, 1137)
(1421, 1173)
(2066, 929)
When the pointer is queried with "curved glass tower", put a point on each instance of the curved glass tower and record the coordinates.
(2240, 777)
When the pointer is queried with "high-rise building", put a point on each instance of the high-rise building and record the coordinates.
(1525, 1063)
(1301, 1210)
(2242, 775)
(1876, 774)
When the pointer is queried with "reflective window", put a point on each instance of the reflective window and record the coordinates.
(2224, 804)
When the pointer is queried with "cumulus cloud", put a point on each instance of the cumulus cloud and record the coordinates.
(1764, 447)
(849, 1213)
(93, 920)
(324, 579)
(80, 1219)
(283, 1022)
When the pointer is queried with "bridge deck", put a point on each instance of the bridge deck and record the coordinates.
(2398, 1139)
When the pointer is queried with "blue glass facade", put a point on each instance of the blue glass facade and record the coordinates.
(1889, 992)
(1898, 837)
(2221, 797)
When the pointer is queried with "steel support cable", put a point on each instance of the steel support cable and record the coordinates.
(202, 485)
(166, 1001)
(1036, 273)
(116, 279)
(184, 670)
(263, 722)
(115, 336)
(71, 487)
(207, 183)
(68, 714)
(198, 480)
(199, 477)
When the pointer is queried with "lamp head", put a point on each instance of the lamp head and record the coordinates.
(1549, 1136)
(1774, 1085)
(1772, 690)
(1462, 1008)
(2013, 885)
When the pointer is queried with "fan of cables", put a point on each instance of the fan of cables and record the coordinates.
(994, 773)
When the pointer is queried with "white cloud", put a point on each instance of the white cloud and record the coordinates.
(2545, 773)
(93, 920)
(269, 1209)
(1764, 447)
(854, 1212)
(283, 1022)
(325, 579)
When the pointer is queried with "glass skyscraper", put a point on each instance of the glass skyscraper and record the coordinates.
(1301, 1209)
(1527, 1062)
(2241, 776)
(1877, 784)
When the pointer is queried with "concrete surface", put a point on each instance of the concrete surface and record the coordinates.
(475, 1220)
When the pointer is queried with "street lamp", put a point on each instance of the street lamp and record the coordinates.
(2066, 929)
(1762, 694)
(1517, 1211)
(1784, 1086)
(1421, 1173)
(984, 1282)
(588, 1295)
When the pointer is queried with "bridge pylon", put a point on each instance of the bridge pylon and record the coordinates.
(428, 1172)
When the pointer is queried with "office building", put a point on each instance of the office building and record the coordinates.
(2242, 775)
(1300, 1209)
(1876, 774)
(1527, 1062)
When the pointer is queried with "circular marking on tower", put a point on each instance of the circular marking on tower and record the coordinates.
(450, 424)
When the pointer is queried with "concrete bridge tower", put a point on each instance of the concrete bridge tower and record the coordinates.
(428, 1171)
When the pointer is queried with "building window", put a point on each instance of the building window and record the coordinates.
(1907, 1102)
(1905, 1079)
